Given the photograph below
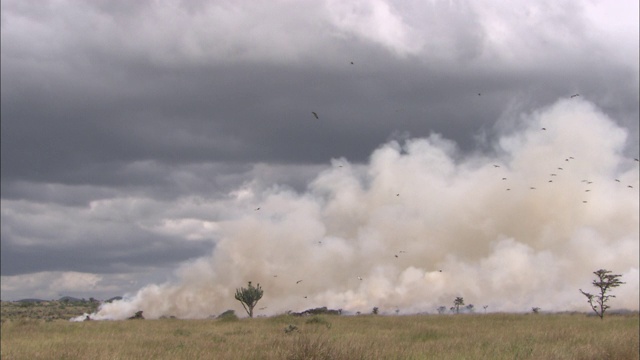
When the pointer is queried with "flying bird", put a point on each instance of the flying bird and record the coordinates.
(359, 278)
(630, 187)
(314, 114)
(544, 128)
(257, 208)
(298, 282)
(617, 180)
(636, 159)
(504, 178)
(575, 95)
(352, 63)
(496, 166)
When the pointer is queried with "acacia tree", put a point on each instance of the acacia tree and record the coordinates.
(605, 282)
(457, 303)
(249, 297)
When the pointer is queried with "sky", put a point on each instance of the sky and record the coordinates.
(169, 152)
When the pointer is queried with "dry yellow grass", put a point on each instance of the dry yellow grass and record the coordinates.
(492, 336)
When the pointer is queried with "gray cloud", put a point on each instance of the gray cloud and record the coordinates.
(164, 115)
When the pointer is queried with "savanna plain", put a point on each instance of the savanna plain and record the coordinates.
(32, 334)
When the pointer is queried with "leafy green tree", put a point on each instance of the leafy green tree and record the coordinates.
(605, 282)
(457, 303)
(249, 297)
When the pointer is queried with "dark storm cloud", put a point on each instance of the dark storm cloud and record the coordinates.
(126, 104)
(99, 255)
(87, 103)
(104, 242)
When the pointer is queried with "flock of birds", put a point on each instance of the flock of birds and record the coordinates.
(554, 174)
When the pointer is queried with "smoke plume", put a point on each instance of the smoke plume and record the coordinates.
(422, 223)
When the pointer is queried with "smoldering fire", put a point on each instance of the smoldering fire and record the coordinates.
(454, 230)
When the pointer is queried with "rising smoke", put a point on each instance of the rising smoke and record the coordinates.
(421, 224)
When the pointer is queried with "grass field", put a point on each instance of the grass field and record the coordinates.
(490, 336)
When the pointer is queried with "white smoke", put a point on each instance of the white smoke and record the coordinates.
(421, 224)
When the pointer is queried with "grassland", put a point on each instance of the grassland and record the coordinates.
(45, 310)
(490, 336)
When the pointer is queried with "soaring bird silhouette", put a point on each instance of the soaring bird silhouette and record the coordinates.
(298, 282)
(575, 95)
(314, 114)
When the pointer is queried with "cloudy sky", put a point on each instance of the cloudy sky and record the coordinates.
(140, 138)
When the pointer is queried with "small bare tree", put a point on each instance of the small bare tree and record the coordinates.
(605, 282)
(249, 297)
